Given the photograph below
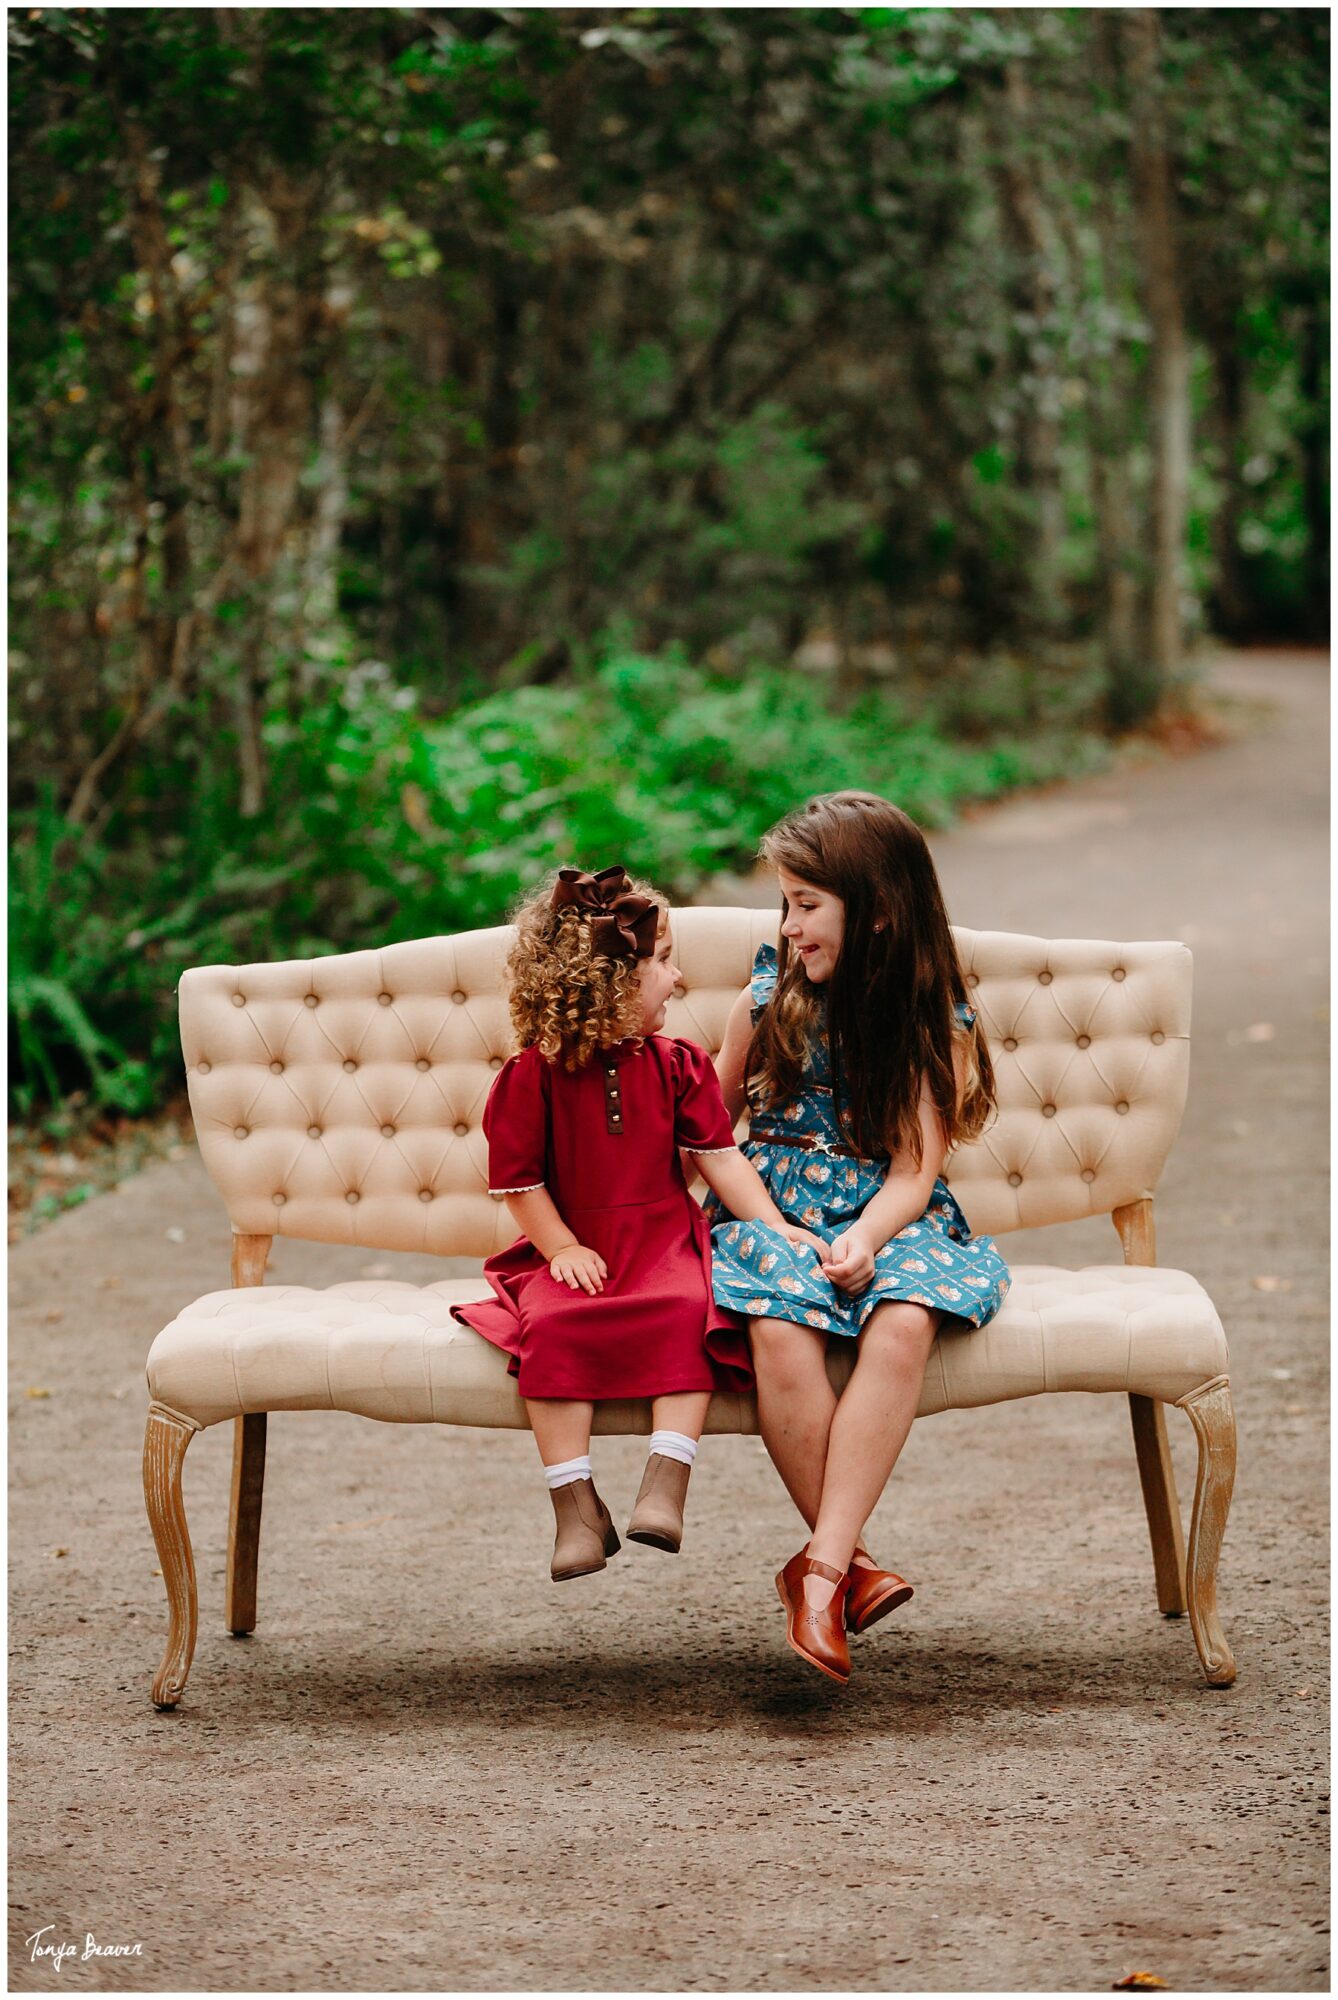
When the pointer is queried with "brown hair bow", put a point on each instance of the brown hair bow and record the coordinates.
(622, 925)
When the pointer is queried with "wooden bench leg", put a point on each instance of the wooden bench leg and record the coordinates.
(166, 1437)
(1163, 1507)
(1210, 1411)
(248, 1487)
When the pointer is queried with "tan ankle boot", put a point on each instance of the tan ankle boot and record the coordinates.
(657, 1517)
(585, 1530)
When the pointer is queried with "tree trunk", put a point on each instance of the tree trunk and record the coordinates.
(1315, 472)
(1032, 292)
(1152, 180)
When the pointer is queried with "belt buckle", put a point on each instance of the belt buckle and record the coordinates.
(825, 1146)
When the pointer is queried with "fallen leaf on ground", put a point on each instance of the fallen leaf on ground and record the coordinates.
(1303, 1694)
(54, 1313)
(37, 1394)
(60, 1552)
(1140, 1982)
(109, 1284)
(1271, 1284)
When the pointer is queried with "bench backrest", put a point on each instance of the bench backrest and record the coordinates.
(339, 1099)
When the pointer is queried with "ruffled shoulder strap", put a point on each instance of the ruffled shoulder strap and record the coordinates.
(766, 969)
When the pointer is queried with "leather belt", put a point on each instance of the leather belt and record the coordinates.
(804, 1142)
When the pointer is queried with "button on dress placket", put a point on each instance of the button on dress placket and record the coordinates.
(613, 1103)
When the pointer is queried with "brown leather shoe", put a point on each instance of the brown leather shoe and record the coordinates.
(817, 1636)
(657, 1517)
(872, 1594)
(585, 1531)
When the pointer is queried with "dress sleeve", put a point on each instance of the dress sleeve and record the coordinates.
(701, 1122)
(515, 1124)
(766, 968)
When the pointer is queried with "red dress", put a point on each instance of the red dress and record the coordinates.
(603, 1140)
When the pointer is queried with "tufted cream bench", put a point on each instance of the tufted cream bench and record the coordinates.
(339, 1099)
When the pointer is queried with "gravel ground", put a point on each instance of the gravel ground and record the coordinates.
(428, 1769)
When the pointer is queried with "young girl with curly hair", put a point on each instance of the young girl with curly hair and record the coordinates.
(607, 1293)
(862, 1065)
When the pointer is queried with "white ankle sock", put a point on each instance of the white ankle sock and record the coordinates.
(673, 1444)
(568, 1472)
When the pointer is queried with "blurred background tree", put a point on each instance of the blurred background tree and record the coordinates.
(448, 441)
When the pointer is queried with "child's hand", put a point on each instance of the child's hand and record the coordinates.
(849, 1263)
(584, 1270)
(802, 1239)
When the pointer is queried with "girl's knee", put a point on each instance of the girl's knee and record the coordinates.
(900, 1329)
(784, 1352)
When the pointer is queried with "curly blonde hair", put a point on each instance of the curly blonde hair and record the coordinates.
(567, 999)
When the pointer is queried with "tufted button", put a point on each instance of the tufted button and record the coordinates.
(312, 1000)
(461, 1129)
(422, 1063)
(1158, 1037)
(458, 997)
(383, 999)
(494, 1062)
(1121, 1107)
(1045, 977)
(280, 1199)
(1084, 1041)
(494, 1197)
(202, 1068)
(240, 1131)
(1015, 1180)
(276, 1069)
(313, 1131)
(973, 979)
(1047, 1111)
(352, 1195)
(1118, 972)
(239, 999)
(1089, 1173)
(387, 1131)
(350, 1065)
(425, 1194)
(1009, 1042)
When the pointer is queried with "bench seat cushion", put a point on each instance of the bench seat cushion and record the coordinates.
(391, 1350)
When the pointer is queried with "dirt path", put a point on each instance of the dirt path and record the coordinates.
(428, 1769)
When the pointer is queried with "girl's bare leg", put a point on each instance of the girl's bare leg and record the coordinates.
(684, 1412)
(561, 1430)
(871, 1424)
(795, 1405)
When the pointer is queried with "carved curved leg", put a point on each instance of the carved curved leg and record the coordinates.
(248, 1488)
(1160, 1502)
(165, 1439)
(1214, 1420)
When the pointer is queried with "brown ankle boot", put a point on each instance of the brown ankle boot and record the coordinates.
(585, 1530)
(657, 1517)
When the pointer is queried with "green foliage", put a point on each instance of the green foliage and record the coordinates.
(383, 824)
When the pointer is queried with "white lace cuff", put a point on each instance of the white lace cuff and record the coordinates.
(525, 1190)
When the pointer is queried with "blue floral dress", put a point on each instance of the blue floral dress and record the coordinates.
(936, 1261)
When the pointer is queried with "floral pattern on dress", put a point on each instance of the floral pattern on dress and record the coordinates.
(934, 1261)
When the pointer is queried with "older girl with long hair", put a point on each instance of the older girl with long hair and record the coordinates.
(861, 1064)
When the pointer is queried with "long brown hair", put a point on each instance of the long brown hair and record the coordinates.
(564, 995)
(892, 990)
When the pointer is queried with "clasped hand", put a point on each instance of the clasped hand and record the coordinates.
(847, 1261)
